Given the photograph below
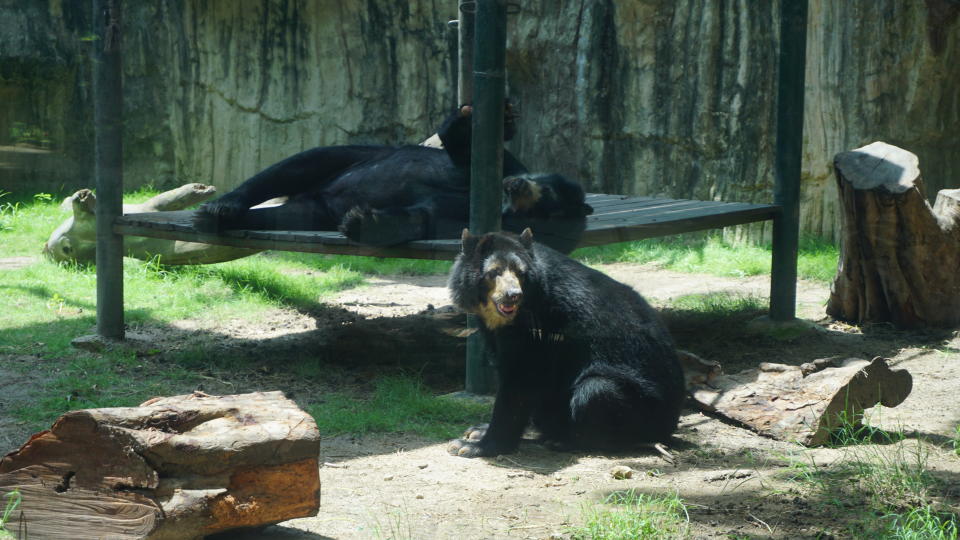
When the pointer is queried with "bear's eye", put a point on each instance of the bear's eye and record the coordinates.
(491, 274)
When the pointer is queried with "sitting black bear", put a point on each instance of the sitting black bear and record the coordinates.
(582, 357)
(384, 195)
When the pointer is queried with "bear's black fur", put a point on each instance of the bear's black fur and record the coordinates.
(582, 357)
(384, 195)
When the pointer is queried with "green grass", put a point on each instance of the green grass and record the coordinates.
(13, 501)
(718, 305)
(397, 404)
(882, 490)
(25, 223)
(48, 304)
(921, 523)
(710, 254)
(713, 317)
(955, 442)
(628, 515)
(372, 266)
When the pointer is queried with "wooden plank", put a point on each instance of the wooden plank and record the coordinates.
(631, 205)
(649, 209)
(616, 219)
(609, 233)
(307, 242)
(678, 212)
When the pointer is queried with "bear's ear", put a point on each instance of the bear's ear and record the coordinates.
(468, 242)
(526, 238)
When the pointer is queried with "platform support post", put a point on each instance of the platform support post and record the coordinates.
(486, 163)
(789, 158)
(108, 164)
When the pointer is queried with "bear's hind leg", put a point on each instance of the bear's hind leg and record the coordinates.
(614, 413)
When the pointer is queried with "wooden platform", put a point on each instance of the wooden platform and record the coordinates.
(616, 218)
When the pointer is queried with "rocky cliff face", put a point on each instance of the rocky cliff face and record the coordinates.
(644, 96)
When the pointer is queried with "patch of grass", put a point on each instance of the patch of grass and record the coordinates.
(851, 430)
(718, 304)
(710, 254)
(627, 515)
(13, 501)
(110, 379)
(26, 223)
(392, 525)
(922, 523)
(367, 265)
(890, 480)
(398, 404)
(713, 314)
(46, 305)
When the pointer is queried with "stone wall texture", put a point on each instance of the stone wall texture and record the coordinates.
(649, 97)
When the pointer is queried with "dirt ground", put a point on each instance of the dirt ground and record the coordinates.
(735, 483)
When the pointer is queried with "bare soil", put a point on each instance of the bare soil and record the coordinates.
(735, 482)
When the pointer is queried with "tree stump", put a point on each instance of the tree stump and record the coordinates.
(174, 468)
(805, 403)
(899, 257)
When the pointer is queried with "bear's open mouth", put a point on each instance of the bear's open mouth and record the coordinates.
(507, 310)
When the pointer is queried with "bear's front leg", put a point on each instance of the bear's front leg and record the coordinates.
(511, 413)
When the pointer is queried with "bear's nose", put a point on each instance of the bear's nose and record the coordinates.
(512, 296)
(514, 185)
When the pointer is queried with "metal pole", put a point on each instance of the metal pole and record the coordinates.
(786, 191)
(108, 165)
(486, 163)
(466, 27)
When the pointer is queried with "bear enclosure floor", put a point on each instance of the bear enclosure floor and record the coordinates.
(616, 218)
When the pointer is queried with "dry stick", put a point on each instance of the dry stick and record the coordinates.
(761, 522)
(662, 449)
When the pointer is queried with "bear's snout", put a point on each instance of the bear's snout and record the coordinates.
(515, 185)
(512, 296)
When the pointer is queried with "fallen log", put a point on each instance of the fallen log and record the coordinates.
(899, 256)
(804, 403)
(75, 240)
(174, 468)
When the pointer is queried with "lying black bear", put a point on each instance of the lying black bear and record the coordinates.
(582, 357)
(384, 195)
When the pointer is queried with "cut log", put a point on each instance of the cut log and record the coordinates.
(75, 239)
(804, 403)
(173, 468)
(899, 257)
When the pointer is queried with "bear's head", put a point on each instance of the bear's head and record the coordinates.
(489, 275)
(544, 196)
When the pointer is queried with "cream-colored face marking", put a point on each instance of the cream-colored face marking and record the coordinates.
(521, 204)
(491, 317)
(502, 281)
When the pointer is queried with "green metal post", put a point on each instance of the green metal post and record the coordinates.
(486, 163)
(108, 165)
(466, 26)
(786, 192)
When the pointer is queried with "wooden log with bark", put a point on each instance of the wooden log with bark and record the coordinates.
(803, 403)
(899, 257)
(75, 240)
(174, 468)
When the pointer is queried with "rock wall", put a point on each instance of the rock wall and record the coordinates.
(654, 97)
